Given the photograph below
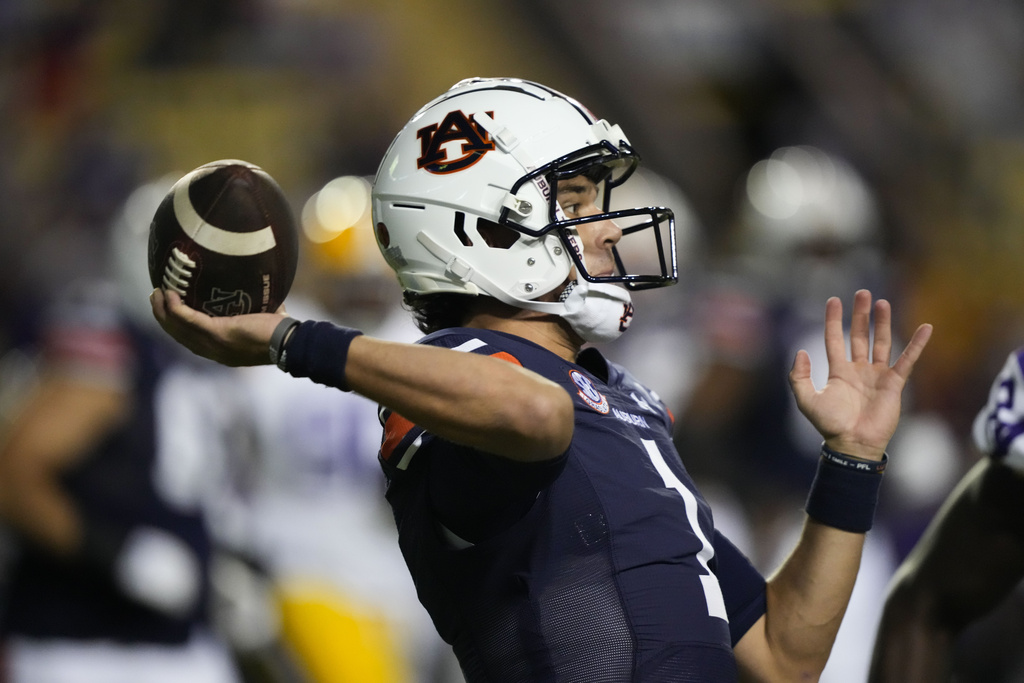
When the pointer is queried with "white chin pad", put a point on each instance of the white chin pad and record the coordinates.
(598, 313)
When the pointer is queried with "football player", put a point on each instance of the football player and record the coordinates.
(971, 556)
(102, 471)
(549, 525)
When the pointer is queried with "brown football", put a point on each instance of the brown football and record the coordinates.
(225, 239)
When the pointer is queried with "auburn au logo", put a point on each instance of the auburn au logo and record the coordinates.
(456, 126)
(224, 303)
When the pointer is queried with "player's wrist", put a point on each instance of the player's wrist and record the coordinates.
(876, 463)
(319, 351)
(279, 341)
(844, 493)
(854, 450)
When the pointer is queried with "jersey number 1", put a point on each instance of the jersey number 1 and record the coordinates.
(709, 582)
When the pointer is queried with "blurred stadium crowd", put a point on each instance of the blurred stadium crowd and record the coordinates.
(808, 147)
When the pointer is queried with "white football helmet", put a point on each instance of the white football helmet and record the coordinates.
(463, 199)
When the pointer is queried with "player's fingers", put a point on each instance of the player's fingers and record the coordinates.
(882, 348)
(156, 302)
(905, 363)
(800, 377)
(181, 311)
(173, 299)
(860, 326)
(835, 344)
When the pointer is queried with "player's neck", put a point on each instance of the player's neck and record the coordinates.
(543, 329)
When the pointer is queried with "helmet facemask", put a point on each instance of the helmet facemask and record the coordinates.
(648, 233)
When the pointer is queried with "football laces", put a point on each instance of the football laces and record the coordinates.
(178, 271)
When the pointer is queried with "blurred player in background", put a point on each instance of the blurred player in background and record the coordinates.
(309, 500)
(808, 227)
(968, 563)
(102, 469)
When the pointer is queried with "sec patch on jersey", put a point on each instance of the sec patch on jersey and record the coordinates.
(225, 239)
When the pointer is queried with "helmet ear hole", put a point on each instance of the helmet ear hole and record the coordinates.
(496, 236)
(460, 229)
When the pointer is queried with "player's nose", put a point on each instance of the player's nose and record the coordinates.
(607, 233)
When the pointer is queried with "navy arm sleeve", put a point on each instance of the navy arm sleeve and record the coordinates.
(742, 586)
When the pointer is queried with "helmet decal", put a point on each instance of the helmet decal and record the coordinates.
(455, 126)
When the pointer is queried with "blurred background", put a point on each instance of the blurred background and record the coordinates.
(923, 102)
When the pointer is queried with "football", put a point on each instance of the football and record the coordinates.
(225, 239)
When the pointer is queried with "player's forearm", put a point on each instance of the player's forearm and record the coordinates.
(31, 501)
(40, 512)
(474, 400)
(807, 598)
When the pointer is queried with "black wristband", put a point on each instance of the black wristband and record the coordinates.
(279, 339)
(844, 493)
(319, 351)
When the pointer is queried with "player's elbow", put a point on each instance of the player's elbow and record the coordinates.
(559, 415)
(544, 423)
(774, 652)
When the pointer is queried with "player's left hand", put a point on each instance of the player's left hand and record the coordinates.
(859, 407)
(235, 341)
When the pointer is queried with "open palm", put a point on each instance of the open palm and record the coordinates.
(859, 407)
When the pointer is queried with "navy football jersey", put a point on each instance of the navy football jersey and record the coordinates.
(600, 565)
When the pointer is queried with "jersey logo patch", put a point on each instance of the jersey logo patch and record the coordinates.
(589, 393)
(455, 127)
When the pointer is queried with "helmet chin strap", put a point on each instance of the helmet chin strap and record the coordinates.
(597, 312)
